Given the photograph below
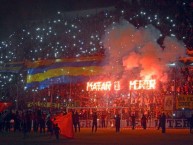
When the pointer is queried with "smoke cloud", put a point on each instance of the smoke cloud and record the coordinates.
(138, 49)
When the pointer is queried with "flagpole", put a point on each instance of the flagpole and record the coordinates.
(51, 98)
(33, 100)
(174, 101)
(17, 97)
(70, 90)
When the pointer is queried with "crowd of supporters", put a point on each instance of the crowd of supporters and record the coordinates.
(82, 35)
(75, 95)
(42, 122)
(28, 121)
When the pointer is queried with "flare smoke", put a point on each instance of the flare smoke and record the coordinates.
(139, 49)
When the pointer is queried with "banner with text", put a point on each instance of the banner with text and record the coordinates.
(153, 123)
(184, 101)
(52, 105)
(168, 103)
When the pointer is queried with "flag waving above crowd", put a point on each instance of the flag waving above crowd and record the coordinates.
(65, 124)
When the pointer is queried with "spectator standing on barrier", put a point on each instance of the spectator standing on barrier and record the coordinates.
(117, 123)
(144, 121)
(191, 123)
(94, 122)
(133, 121)
(163, 122)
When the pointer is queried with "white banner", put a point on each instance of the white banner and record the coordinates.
(170, 123)
(168, 103)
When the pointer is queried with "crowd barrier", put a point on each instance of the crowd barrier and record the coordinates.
(153, 123)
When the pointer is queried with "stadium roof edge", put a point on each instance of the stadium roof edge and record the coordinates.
(84, 13)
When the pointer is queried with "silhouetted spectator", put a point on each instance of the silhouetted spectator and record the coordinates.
(159, 122)
(50, 126)
(133, 121)
(103, 121)
(191, 123)
(42, 125)
(163, 122)
(144, 121)
(17, 120)
(77, 122)
(94, 122)
(117, 123)
(56, 131)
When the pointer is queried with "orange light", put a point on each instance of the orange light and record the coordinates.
(117, 86)
(99, 86)
(142, 84)
(133, 85)
(103, 86)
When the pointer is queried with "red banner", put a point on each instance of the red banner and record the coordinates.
(4, 106)
(65, 124)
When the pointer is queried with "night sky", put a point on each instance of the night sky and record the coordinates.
(14, 13)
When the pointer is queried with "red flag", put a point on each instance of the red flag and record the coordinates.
(4, 106)
(65, 124)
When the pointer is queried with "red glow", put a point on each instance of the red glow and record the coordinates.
(99, 86)
(117, 86)
(142, 84)
(103, 86)
(133, 85)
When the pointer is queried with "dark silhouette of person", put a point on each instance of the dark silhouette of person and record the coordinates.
(7, 119)
(1, 122)
(42, 125)
(191, 123)
(94, 122)
(35, 125)
(17, 121)
(76, 121)
(24, 127)
(144, 121)
(39, 117)
(133, 121)
(163, 122)
(117, 123)
(159, 122)
(103, 121)
(50, 126)
(56, 131)
(73, 120)
(29, 121)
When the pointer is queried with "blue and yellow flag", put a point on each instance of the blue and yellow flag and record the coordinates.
(42, 74)
(11, 67)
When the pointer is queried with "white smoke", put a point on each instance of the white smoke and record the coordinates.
(138, 48)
